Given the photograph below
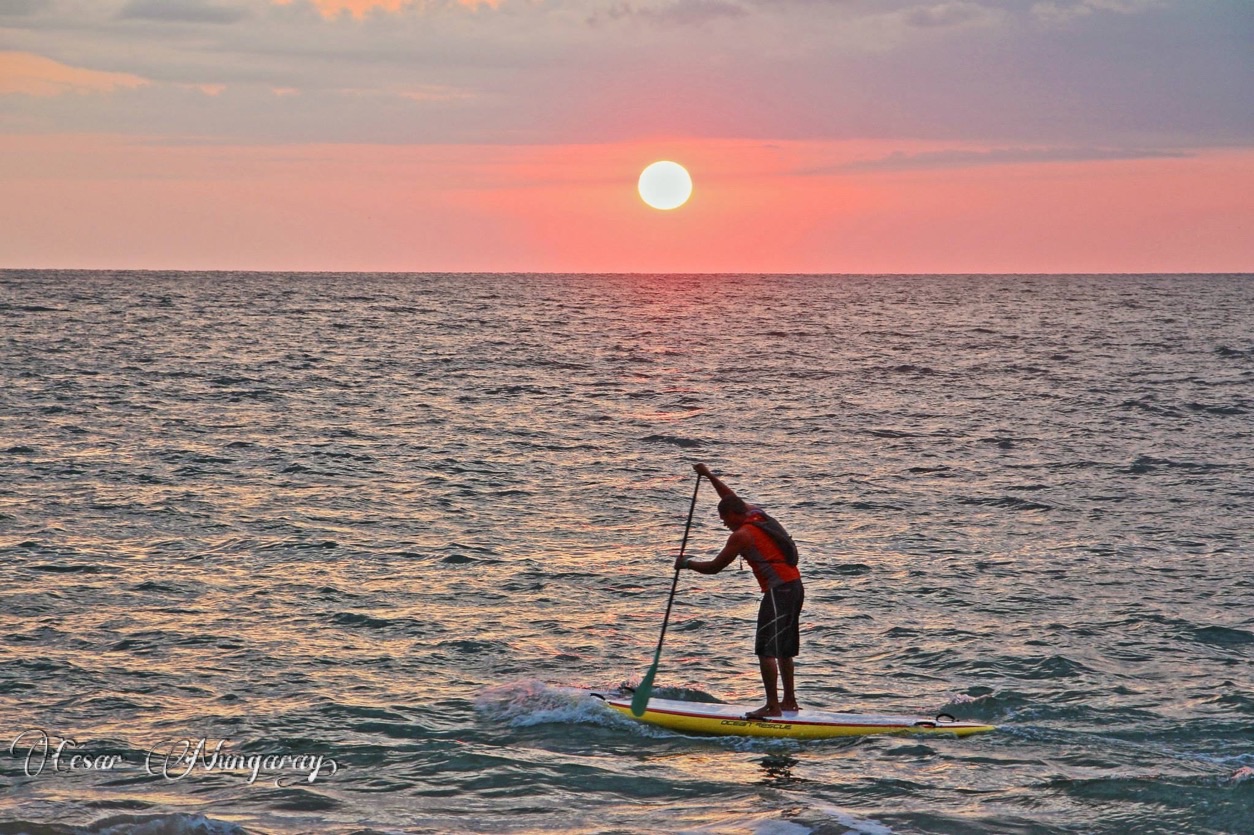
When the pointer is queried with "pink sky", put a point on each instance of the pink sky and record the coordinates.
(508, 136)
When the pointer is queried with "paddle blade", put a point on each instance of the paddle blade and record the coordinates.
(640, 699)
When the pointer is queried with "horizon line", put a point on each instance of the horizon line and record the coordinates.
(625, 273)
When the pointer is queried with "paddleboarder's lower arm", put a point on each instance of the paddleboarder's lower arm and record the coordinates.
(714, 566)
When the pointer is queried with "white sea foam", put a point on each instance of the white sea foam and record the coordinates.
(814, 819)
(855, 824)
(531, 702)
(964, 699)
(162, 825)
(781, 827)
(768, 823)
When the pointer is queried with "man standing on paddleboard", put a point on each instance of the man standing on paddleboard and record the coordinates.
(770, 552)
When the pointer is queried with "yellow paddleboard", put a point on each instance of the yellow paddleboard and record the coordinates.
(729, 720)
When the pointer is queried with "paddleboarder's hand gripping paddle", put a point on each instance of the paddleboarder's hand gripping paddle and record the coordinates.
(640, 700)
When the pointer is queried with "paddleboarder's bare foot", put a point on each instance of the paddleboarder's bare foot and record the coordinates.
(764, 712)
(789, 707)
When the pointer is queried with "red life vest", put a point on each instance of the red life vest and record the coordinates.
(769, 563)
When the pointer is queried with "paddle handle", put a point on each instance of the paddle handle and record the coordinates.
(640, 699)
(675, 581)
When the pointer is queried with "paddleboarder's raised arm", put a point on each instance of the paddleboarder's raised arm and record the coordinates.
(719, 487)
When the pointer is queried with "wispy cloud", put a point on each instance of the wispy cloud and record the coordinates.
(1067, 11)
(963, 158)
(360, 9)
(22, 8)
(676, 13)
(945, 15)
(182, 11)
(34, 75)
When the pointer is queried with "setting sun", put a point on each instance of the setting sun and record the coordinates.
(665, 185)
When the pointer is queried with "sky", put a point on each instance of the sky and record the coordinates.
(822, 136)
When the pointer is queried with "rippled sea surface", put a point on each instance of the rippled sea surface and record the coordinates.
(389, 520)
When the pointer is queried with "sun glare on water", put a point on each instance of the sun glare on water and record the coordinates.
(665, 185)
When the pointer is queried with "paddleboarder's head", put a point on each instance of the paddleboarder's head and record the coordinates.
(732, 510)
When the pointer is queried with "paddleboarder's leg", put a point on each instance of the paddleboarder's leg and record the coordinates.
(770, 680)
(778, 640)
(791, 597)
(790, 694)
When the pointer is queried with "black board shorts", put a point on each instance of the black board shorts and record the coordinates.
(779, 621)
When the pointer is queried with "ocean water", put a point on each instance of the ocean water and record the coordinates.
(362, 535)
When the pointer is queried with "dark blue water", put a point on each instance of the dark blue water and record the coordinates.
(389, 520)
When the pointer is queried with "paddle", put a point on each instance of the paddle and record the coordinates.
(640, 700)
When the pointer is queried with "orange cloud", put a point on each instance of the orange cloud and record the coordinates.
(331, 9)
(34, 75)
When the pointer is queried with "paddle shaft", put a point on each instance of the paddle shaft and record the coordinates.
(640, 699)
